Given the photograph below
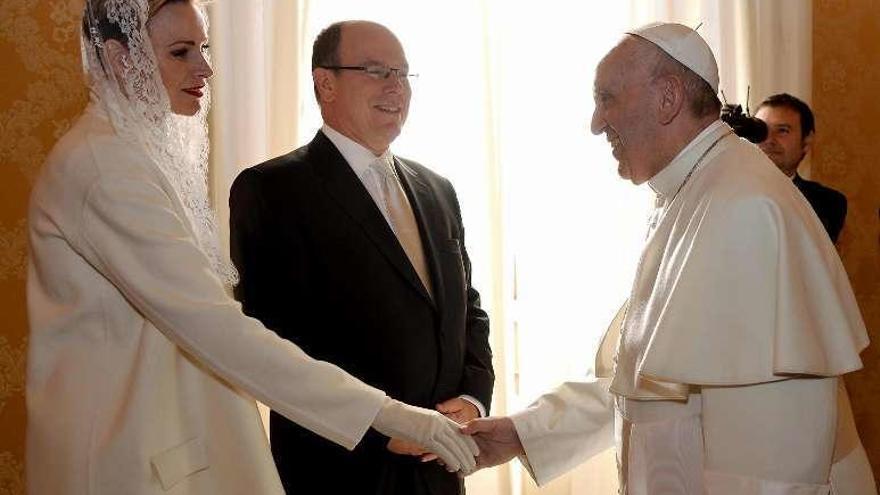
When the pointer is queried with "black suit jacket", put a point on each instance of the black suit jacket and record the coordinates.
(320, 266)
(829, 205)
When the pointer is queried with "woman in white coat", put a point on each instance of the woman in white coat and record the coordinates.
(142, 372)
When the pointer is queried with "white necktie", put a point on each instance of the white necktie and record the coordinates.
(401, 218)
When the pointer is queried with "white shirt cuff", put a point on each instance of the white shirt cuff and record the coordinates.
(476, 403)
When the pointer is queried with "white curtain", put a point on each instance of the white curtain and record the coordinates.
(257, 49)
(502, 108)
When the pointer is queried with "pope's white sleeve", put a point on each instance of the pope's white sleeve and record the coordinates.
(565, 428)
(131, 233)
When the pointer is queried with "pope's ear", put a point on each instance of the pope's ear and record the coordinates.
(117, 56)
(325, 84)
(670, 91)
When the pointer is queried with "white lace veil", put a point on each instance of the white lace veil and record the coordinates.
(140, 112)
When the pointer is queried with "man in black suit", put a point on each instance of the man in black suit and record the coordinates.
(791, 129)
(366, 249)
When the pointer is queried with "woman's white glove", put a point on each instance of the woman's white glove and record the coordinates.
(430, 429)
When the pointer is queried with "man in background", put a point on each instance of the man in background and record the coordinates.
(791, 128)
(367, 250)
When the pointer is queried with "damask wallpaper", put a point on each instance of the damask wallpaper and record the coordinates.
(846, 156)
(41, 91)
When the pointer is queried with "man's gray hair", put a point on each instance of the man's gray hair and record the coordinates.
(701, 98)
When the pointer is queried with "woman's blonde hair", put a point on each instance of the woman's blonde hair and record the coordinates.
(156, 5)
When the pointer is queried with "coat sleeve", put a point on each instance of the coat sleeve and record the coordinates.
(478, 377)
(133, 236)
(565, 427)
(837, 215)
(255, 249)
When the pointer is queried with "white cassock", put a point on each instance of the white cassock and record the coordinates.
(723, 371)
(141, 369)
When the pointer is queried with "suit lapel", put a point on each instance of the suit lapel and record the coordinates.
(344, 186)
(426, 211)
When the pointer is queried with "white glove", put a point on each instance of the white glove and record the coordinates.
(430, 429)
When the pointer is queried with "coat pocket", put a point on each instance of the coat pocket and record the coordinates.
(177, 463)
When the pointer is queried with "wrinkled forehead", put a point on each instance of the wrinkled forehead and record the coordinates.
(366, 42)
(627, 61)
(616, 67)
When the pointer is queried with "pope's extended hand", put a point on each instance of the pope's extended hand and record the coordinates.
(429, 429)
(497, 439)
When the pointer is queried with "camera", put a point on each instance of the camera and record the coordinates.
(743, 124)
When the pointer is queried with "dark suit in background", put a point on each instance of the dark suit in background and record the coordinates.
(791, 128)
(829, 205)
(320, 265)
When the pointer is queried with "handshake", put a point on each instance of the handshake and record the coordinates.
(417, 431)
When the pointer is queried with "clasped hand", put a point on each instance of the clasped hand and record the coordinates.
(457, 409)
(496, 438)
(430, 429)
(482, 442)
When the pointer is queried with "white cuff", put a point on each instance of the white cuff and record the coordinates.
(479, 405)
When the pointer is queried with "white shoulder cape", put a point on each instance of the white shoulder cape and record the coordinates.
(739, 284)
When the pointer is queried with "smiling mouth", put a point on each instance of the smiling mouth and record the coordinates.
(391, 109)
(197, 92)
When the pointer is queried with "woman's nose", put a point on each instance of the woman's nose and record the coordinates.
(204, 69)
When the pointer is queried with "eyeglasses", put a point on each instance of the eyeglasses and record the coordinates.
(378, 72)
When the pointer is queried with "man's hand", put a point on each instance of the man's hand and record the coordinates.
(497, 439)
(459, 410)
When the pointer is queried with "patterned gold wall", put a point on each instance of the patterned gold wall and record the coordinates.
(41, 90)
(846, 97)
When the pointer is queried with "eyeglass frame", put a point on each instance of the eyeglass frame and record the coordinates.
(399, 73)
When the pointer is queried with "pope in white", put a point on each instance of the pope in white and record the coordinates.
(721, 374)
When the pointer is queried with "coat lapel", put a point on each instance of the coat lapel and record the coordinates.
(344, 186)
(426, 212)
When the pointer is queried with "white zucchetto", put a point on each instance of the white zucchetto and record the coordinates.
(683, 44)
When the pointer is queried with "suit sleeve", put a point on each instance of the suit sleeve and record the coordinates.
(246, 229)
(838, 215)
(478, 377)
(253, 241)
(133, 236)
